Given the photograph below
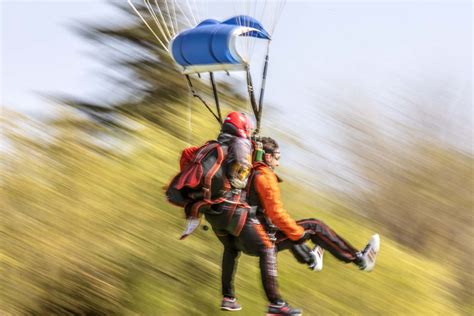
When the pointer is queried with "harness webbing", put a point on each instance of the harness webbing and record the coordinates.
(207, 180)
(249, 194)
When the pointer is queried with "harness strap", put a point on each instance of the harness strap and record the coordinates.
(202, 153)
(187, 177)
(248, 190)
(206, 188)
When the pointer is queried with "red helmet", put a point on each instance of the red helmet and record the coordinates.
(238, 124)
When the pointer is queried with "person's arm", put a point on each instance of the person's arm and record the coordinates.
(266, 185)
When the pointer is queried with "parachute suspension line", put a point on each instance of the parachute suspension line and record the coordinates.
(264, 10)
(246, 24)
(200, 9)
(253, 102)
(196, 95)
(190, 24)
(252, 42)
(196, 10)
(170, 34)
(278, 14)
(175, 18)
(239, 21)
(206, 8)
(271, 17)
(216, 96)
(170, 18)
(242, 10)
(191, 11)
(155, 19)
(146, 23)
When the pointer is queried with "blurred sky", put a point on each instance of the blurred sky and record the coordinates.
(40, 54)
(392, 57)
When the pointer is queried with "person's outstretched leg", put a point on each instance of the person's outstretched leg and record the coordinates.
(325, 237)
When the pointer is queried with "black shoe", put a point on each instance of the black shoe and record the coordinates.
(283, 309)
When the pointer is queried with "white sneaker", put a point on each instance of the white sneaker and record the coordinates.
(318, 253)
(369, 254)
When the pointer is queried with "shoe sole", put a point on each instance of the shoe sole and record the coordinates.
(273, 314)
(375, 240)
(319, 253)
(374, 243)
(228, 309)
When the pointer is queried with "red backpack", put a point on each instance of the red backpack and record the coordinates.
(201, 177)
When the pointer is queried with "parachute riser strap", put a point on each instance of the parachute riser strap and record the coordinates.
(262, 89)
(216, 96)
(253, 102)
(196, 95)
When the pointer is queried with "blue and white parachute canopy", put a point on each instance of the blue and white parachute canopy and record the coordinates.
(212, 45)
(199, 44)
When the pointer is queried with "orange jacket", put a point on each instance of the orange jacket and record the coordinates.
(268, 191)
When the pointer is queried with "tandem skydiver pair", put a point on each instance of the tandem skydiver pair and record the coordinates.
(238, 193)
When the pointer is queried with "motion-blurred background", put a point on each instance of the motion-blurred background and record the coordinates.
(370, 101)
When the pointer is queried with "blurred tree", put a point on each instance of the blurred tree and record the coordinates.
(156, 91)
(418, 188)
(86, 230)
(88, 233)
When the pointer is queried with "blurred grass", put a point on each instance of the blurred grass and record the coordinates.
(88, 231)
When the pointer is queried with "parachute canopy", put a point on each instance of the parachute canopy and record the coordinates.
(211, 45)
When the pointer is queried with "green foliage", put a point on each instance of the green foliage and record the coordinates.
(420, 193)
(87, 231)
(156, 91)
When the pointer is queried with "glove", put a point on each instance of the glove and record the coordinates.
(302, 253)
(306, 236)
(312, 261)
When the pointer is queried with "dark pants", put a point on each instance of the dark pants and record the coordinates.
(323, 236)
(253, 240)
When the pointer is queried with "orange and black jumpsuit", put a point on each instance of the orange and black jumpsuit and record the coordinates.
(264, 193)
(254, 239)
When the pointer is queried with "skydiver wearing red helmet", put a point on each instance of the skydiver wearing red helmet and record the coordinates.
(230, 216)
(252, 239)
(235, 133)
